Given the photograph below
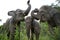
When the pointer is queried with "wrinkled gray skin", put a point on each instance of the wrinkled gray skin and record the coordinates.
(17, 17)
(34, 26)
(49, 14)
(6, 24)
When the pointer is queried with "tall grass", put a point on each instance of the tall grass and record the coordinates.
(44, 33)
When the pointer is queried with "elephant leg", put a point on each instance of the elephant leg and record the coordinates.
(31, 35)
(37, 35)
(12, 33)
(37, 32)
(18, 24)
(51, 30)
(28, 34)
(8, 34)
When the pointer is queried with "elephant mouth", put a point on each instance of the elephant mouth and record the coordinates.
(42, 20)
(19, 19)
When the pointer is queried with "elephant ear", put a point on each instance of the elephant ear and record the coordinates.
(52, 12)
(28, 9)
(11, 13)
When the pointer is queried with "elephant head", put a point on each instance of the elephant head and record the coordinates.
(35, 16)
(45, 13)
(20, 14)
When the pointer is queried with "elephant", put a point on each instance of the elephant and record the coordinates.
(17, 16)
(50, 15)
(32, 27)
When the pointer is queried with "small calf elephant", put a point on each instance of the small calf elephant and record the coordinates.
(32, 27)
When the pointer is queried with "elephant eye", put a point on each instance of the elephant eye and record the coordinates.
(21, 14)
(42, 14)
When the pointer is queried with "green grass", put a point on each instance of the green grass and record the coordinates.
(44, 33)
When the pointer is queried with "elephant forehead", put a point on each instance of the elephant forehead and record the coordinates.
(42, 10)
(19, 10)
(28, 19)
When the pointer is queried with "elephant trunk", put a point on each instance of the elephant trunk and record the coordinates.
(28, 9)
(35, 16)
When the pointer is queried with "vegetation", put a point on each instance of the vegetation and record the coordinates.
(44, 35)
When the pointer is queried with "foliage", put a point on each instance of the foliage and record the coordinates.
(44, 34)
